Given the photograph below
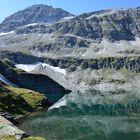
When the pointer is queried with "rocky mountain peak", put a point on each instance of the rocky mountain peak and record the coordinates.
(99, 32)
(35, 14)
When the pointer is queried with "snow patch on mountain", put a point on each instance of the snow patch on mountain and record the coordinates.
(27, 68)
(32, 24)
(31, 67)
(67, 18)
(6, 33)
(63, 71)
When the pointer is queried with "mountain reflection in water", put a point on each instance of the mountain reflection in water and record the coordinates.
(89, 116)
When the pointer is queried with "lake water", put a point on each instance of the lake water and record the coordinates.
(88, 116)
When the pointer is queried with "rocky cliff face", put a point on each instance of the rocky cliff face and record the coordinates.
(34, 14)
(36, 82)
(115, 25)
(86, 74)
(87, 36)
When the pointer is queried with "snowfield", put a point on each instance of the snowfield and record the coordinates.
(30, 68)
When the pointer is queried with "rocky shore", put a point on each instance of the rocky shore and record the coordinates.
(8, 129)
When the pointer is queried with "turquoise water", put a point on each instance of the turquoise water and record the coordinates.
(53, 98)
(88, 116)
(83, 127)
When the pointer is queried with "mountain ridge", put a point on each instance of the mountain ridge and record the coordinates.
(87, 35)
(113, 24)
(34, 14)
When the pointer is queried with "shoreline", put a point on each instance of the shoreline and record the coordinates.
(19, 120)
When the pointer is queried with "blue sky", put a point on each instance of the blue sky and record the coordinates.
(8, 7)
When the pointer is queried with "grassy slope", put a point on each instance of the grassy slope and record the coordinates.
(31, 97)
(19, 101)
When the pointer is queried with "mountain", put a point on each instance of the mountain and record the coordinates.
(98, 43)
(95, 55)
(34, 14)
(85, 36)
(114, 24)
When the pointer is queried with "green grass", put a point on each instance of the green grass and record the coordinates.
(8, 137)
(34, 138)
(31, 97)
(13, 104)
(18, 101)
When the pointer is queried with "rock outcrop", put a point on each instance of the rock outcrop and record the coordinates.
(36, 82)
(8, 129)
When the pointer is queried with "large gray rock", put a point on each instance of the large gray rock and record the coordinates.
(7, 128)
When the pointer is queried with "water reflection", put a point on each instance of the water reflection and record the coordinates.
(89, 116)
(83, 127)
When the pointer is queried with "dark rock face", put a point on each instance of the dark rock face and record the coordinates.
(34, 14)
(115, 25)
(8, 116)
(129, 63)
(19, 57)
(39, 83)
(71, 64)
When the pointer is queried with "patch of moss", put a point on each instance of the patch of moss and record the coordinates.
(18, 101)
(34, 138)
(8, 137)
(14, 104)
(31, 97)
